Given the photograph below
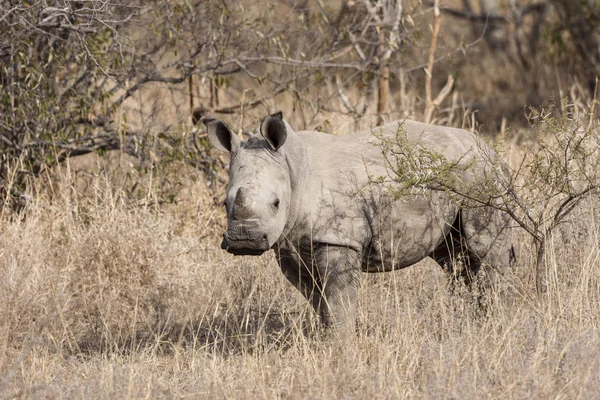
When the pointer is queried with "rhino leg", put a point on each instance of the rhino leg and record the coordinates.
(329, 281)
(453, 255)
(487, 234)
(479, 239)
(339, 269)
(303, 277)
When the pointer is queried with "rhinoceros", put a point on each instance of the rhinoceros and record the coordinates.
(317, 200)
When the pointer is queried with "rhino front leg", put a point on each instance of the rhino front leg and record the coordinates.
(338, 268)
(303, 276)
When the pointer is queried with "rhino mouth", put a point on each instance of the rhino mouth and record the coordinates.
(245, 252)
(246, 246)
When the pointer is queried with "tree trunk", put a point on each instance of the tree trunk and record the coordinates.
(577, 17)
(540, 268)
(384, 82)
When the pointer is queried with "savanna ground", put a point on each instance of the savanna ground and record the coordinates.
(106, 298)
(112, 281)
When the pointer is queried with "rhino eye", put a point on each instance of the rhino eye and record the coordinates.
(276, 204)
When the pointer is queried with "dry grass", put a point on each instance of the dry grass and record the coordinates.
(105, 294)
(102, 297)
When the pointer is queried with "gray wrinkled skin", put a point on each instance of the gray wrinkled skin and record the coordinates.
(308, 196)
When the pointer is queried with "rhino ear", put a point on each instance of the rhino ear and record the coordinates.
(273, 130)
(220, 135)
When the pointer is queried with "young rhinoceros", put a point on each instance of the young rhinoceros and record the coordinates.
(315, 199)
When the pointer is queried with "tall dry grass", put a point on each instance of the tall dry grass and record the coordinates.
(104, 296)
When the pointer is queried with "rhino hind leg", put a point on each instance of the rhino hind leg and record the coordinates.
(454, 257)
(478, 246)
(488, 236)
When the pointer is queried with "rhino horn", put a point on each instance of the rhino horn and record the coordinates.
(241, 206)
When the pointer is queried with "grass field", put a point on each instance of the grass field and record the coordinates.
(103, 297)
(112, 281)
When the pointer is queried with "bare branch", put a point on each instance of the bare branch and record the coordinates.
(301, 63)
(60, 25)
(430, 104)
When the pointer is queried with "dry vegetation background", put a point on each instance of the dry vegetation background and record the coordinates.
(112, 282)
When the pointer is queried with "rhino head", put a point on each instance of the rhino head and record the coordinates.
(261, 183)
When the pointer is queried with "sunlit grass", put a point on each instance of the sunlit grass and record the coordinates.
(105, 297)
